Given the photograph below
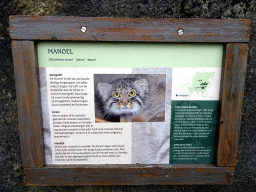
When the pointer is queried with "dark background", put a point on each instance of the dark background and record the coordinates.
(11, 171)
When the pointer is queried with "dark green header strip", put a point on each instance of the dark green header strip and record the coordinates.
(193, 125)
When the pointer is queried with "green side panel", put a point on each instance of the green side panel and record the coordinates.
(193, 126)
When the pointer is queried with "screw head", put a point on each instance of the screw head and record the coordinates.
(83, 29)
(180, 31)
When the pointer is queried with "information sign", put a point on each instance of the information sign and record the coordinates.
(129, 101)
(118, 103)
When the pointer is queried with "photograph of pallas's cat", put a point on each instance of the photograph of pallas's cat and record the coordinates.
(130, 98)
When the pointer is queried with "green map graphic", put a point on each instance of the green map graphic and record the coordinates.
(200, 82)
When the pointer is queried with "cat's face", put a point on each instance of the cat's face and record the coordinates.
(123, 96)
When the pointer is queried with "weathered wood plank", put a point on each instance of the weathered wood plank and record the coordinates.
(232, 98)
(129, 175)
(121, 29)
(28, 98)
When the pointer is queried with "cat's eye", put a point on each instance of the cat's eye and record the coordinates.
(132, 93)
(116, 94)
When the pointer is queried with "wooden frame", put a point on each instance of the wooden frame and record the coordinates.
(26, 30)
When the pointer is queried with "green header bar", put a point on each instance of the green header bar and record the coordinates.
(132, 55)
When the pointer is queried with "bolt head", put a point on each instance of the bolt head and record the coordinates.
(180, 31)
(83, 29)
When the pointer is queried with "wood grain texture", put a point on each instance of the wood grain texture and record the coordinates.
(121, 29)
(28, 98)
(129, 175)
(232, 98)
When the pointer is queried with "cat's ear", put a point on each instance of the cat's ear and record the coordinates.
(142, 86)
(104, 90)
